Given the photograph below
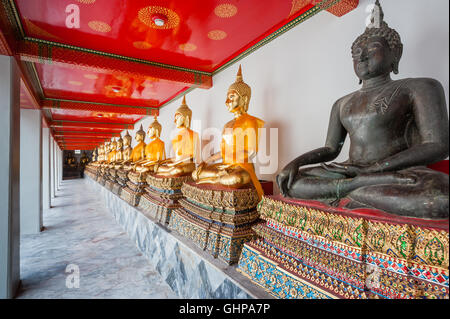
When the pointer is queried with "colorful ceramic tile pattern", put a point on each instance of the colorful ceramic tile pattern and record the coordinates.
(346, 255)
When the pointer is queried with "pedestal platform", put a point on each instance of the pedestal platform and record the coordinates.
(134, 188)
(101, 178)
(189, 271)
(110, 178)
(217, 219)
(161, 196)
(306, 249)
(91, 171)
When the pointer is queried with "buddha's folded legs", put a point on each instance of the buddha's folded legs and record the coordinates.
(180, 169)
(319, 184)
(233, 176)
(427, 197)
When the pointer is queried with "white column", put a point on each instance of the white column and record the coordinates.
(30, 171)
(60, 160)
(46, 168)
(52, 168)
(55, 152)
(9, 177)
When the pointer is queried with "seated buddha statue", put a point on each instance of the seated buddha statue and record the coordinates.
(118, 157)
(99, 159)
(71, 160)
(239, 144)
(185, 146)
(94, 156)
(112, 153)
(106, 150)
(138, 152)
(396, 128)
(154, 151)
(126, 151)
(84, 160)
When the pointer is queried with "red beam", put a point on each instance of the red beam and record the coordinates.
(82, 140)
(98, 107)
(86, 135)
(4, 47)
(95, 125)
(40, 51)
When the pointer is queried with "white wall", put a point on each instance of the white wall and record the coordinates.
(296, 78)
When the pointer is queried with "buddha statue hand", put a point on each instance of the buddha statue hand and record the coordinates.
(198, 170)
(287, 177)
(349, 170)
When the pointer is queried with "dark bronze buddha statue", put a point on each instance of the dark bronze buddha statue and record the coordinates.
(396, 129)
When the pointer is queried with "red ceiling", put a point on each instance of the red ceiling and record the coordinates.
(83, 85)
(201, 35)
(95, 80)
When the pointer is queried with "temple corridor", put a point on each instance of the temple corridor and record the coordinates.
(79, 231)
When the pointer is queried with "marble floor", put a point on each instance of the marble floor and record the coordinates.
(81, 237)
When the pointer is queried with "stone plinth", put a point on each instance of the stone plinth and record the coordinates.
(217, 219)
(189, 271)
(161, 196)
(306, 249)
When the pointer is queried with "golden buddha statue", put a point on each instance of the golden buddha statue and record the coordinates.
(106, 150)
(71, 160)
(126, 151)
(94, 156)
(154, 151)
(84, 160)
(138, 152)
(239, 145)
(185, 145)
(119, 151)
(112, 152)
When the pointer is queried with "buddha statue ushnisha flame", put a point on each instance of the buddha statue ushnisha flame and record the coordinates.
(138, 152)
(154, 151)
(239, 145)
(396, 128)
(185, 145)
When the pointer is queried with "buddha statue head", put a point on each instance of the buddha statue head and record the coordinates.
(119, 144)
(183, 115)
(127, 139)
(154, 130)
(140, 135)
(107, 146)
(239, 94)
(378, 50)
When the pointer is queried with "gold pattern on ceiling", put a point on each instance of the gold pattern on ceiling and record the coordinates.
(142, 45)
(189, 47)
(145, 16)
(99, 26)
(76, 83)
(91, 76)
(225, 10)
(298, 5)
(217, 35)
(86, 1)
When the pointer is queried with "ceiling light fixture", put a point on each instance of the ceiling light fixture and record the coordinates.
(159, 19)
